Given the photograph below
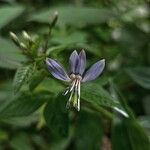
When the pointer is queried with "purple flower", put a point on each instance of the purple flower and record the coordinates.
(77, 75)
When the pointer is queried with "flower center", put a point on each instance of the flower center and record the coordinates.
(75, 77)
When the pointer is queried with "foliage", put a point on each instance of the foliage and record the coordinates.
(115, 107)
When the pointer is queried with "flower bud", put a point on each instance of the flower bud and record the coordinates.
(54, 20)
(14, 38)
(23, 46)
(26, 36)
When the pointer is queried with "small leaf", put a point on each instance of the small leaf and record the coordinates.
(23, 104)
(22, 75)
(56, 116)
(140, 75)
(88, 132)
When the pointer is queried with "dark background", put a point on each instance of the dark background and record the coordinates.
(115, 30)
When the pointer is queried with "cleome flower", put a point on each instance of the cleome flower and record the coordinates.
(76, 76)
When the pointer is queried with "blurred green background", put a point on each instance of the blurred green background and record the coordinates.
(115, 30)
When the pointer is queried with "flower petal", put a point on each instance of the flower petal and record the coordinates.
(56, 70)
(73, 61)
(94, 71)
(82, 63)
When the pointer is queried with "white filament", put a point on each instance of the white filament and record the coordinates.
(78, 96)
(74, 89)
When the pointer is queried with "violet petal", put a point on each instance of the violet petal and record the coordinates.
(82, 63)
(73, 61)
(56, 70)
(94, 71)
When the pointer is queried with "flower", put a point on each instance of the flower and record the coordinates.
(76, 76)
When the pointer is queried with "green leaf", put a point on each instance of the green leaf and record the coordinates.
(10, 56)
(97, 96)
(118, 95)
(22, 75)
(140, 75)
(88, 132)
(128, 135)
(120, 138)
(126, 132)
(56, 116)
(6, 93)
(75, 16)
(8, 13)
(23, 105)
(51, 85)
(37, 78)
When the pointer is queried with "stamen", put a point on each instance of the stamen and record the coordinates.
(74, 99)
(66, 91)
(72, 86)
(69, 89)
(78, 105)
(77, 92)
(76, 95)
